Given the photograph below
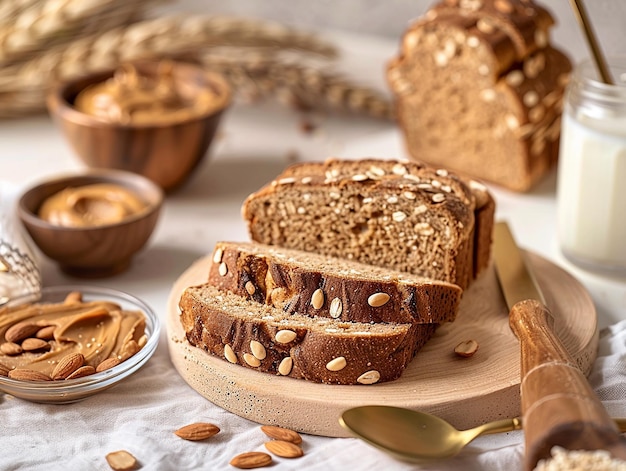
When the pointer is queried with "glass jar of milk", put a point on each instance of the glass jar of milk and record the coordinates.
(591, 188)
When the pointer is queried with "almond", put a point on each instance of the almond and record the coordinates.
(4, 370)
(68, 365)
(130, 348)
(73, 297)
(280, 433)
(197, 431)
(466, 349)
(121, 460)
(108, 364)
(28, 375)
(11, 349)
(32, 344)
(82, 371)
(46, 333)
(18, 332)
(251, 459)
(284, 449)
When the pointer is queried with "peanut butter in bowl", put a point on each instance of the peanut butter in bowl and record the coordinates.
(91, 205)
(155, 118)
(73, 343)
(130, 97)
(38, 337)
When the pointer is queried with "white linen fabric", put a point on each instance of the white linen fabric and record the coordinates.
(19, 271)
(141, 413)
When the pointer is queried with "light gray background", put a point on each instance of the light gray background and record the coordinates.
(390, 17)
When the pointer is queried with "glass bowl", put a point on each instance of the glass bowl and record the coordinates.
(68, 391)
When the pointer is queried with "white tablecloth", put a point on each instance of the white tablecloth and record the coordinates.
(141, 413)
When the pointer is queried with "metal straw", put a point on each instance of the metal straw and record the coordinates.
(583, 20)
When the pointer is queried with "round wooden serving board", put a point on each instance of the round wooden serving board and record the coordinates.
(464, 391)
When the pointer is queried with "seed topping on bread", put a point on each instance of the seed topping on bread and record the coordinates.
(317, 300)
(285, 366)
(378, 299)
(229, 354)
(285, 336)
(336, 364)
(369, 377)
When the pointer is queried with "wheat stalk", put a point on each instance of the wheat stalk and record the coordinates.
(295, 84)
(155, 38)
(23, 86)
(47, 23)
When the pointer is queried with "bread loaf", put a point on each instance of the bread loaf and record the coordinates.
(328, 287)
(323, 350)
(399, 215)
(479, 90)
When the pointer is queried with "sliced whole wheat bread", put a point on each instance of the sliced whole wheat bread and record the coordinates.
(319, 285)
(323, 350)
(399, 215)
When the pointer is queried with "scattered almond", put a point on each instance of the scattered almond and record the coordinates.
(466, 349)
(82, 371)
(11, 348)
(284, 449)
(251, 459)
(33, 344)
(197, 431)
(18, 332)
(46, 333)
(68, 365)
(280, 433)
(108, 364)
(121, 460)
(28, 375)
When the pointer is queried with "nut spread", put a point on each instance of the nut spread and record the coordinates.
(38, 338)
(130, 97)
(91, 205)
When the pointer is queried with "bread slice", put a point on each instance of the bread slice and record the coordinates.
(479, 89)
(388, 213)
(318, 285)
(322, 350)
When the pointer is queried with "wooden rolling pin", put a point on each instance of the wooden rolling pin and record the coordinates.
(559, 407)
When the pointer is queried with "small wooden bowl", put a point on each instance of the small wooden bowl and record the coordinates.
(99, 251)
(167, 153)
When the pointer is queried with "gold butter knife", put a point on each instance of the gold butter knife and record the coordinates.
(559, 407)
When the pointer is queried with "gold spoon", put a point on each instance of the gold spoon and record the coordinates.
(417, 436)
(596, 52)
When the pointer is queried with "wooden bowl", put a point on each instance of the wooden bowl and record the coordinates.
(92, 251)
(166, 153)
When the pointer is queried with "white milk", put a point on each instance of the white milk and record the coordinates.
(591, 192)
